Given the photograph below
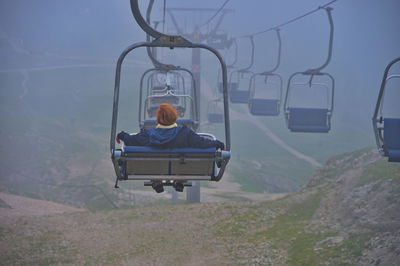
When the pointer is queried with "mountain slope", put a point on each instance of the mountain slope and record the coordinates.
(346, 215)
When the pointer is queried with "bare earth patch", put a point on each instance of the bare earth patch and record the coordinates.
(21, 206)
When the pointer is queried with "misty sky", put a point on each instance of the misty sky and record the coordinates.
(95, 32)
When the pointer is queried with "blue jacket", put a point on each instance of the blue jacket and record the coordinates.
(176, 137)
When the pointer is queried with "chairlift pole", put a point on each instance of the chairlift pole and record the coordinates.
(193, 193)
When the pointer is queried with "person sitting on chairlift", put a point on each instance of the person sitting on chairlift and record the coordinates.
(168, 134)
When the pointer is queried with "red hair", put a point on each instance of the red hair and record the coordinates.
(166, 114)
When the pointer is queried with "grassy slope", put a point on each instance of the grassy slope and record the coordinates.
(276, 233)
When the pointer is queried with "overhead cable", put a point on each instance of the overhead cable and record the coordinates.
(216, 13)
(289, 21)
(164, 9)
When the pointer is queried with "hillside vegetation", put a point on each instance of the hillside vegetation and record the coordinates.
(347, 215)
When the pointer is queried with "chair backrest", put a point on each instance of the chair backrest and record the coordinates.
(147, 160)
(391, 131)
(267, 107)
(391, 136)
(308, 119)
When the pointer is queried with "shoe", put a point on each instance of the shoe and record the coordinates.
(158, 187)
(178, 186)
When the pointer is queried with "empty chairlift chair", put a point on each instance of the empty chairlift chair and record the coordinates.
(161, 86)
(241, 93)
(184, 103)
(266, 106)
(214, 112)
(310, 117)
(230, 68)
(391, 136)
(236, 92)
(232, 85)
(387, 127)
(189, 119)
(266, 101)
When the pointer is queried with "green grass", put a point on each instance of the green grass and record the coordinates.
(289, 232)
(352, 154)
(381, 170)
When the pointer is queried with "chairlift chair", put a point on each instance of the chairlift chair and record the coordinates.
(230, 68)
(214, 116)
(150, 163)
(231, 85)
(311, 118)
(159, 80)
(387, 129)
(238, 95)
(190, 120)
(263, 106)
(267, 106)
(168, 95)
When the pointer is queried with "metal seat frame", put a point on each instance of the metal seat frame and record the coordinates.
(378, 121)
(315, 72)
(330, 103)
(271, 106)
(171, 41)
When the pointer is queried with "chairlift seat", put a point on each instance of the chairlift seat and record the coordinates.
(391, 134)
(158, 88)
(215, 118)
(153, 161)
(309, 120)
(170, 99)
(265, 107)
(238, 96)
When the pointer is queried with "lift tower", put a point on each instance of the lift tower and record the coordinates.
(193, 193)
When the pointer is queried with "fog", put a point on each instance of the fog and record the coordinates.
(57, 72)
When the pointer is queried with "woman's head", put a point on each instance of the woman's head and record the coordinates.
(166, 114)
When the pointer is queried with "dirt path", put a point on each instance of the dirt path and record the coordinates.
(245, 115)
